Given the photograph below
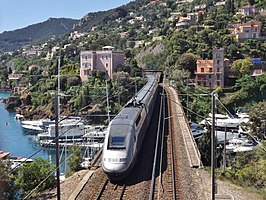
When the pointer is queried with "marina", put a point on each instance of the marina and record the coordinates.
(228, 130)
(20, 137)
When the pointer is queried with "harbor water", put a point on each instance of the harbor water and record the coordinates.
(19, 143)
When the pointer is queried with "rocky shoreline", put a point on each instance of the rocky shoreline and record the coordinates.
(24, 108)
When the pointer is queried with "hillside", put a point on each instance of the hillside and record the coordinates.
(10, 40)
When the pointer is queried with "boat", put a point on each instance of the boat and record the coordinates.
(36, 126)
(32, 128)
(225, 121)
(198, 133)
(19, 116)
(197, 130)
(95, 133)
(19, 161)
(67, 130)
(86, 162)
(42, 125)
(240, 145)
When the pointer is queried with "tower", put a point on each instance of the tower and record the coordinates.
(218, 67)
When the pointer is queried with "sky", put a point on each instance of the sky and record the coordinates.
(15, 14)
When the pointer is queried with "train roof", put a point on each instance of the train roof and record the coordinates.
(140, 97)
(126, 116)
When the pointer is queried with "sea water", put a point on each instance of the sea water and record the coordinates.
(20, 144)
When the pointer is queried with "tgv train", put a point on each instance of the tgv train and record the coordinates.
(126, 132)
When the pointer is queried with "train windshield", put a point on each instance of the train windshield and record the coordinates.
(117, 142)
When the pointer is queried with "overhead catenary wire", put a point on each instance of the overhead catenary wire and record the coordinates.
(34, 190)
(55, 169)
(36, 152)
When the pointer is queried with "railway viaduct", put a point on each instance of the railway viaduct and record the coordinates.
(178, 176)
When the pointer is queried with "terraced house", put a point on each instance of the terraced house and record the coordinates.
(251, 29)
(106, 60)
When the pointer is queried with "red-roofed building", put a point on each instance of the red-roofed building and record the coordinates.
(210, 73)
(4, 155)
(251, 29)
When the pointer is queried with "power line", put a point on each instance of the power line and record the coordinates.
(34, 190)
(36, 152)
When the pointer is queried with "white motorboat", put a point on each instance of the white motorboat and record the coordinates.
(36, 126)
(19, 116)
(19, 161)
(225, 121)
(220, 135)
(32, 128)
(95, 133)
(67, 130)
(86, 162)
(239, 145)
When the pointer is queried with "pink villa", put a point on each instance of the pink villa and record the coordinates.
(105, 60)
(210, 73)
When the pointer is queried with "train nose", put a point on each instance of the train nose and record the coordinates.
(114, 167)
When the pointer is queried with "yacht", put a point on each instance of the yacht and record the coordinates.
(95, 133)
(240, 145)
(67, 130)
(36, 126)
(225, 121)
(19, 161)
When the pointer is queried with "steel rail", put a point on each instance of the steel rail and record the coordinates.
(172, 150)
(162, 146)
(103, 188)
(155, 153)
(122, 193)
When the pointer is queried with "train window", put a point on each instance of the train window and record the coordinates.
(117, 142)
(138, 119)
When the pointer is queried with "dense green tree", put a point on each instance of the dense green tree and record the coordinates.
(257, 120)
(188, 62)
(242, 67)
(204, 145)
(31, 175)
(7, 189)
(75, 159)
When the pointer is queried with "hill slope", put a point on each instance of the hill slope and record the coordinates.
(10, 40)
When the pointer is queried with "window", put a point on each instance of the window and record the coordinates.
(218, 69)
(201, 69)
(117, 142)
(106, 57)
(106, 65)
(138, 119)
(210, 69)
(218, 62)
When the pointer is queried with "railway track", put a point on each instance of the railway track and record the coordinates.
(111, 191)
(167, 181)
(172, 169)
